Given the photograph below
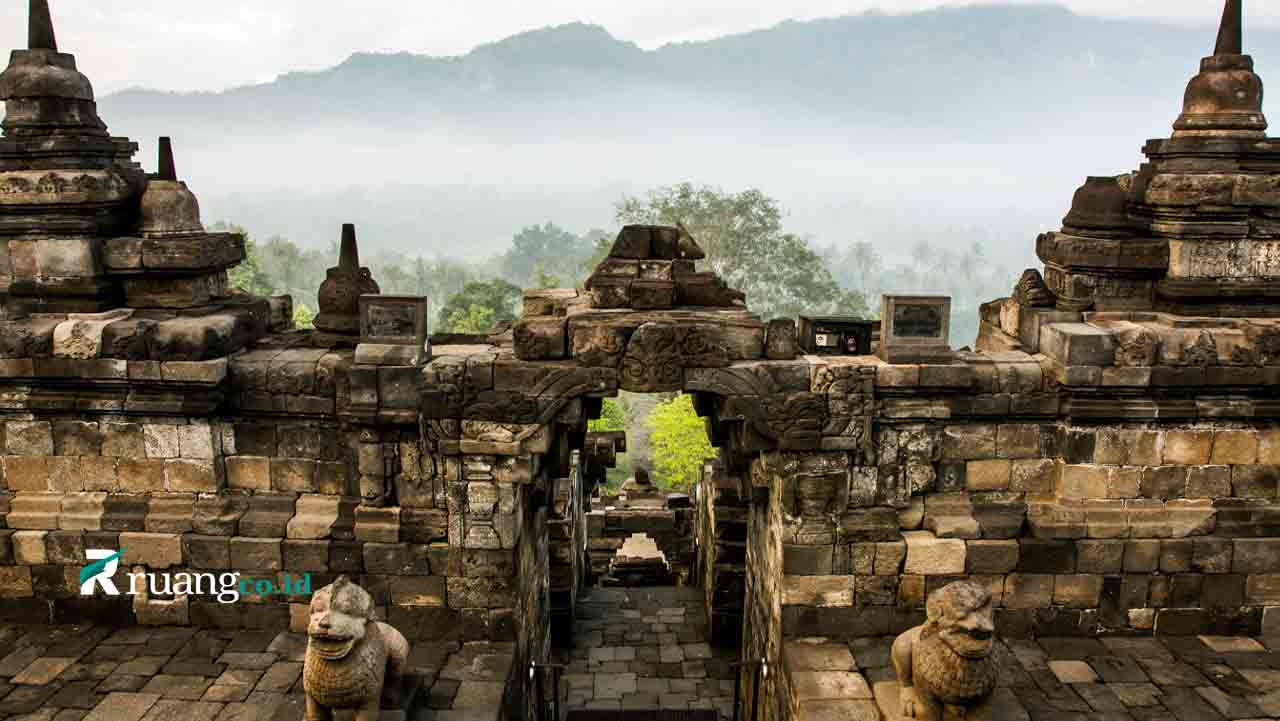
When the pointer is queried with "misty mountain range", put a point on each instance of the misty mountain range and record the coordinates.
(975, 122)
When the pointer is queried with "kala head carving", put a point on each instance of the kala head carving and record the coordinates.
(944, 667)
(349, 654)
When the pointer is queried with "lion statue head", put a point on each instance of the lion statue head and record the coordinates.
(340, 613)
(961, 615)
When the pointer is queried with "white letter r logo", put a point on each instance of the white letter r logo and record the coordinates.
(100, 571)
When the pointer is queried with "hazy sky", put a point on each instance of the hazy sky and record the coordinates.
(202, 45)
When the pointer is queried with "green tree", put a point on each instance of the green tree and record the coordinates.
(303, 318)
(538, 251)
(473, 319)
(248, 275)
(679, 443)
(746, 245)
(479, 305)
(613, 417)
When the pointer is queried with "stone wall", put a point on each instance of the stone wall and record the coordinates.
(672, 529)
(533, 599)
(721, 540)
(1075, 528)
(762, 632)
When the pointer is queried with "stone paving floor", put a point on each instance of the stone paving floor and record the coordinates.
(1203, 678)
(642, 648)
(91, 673)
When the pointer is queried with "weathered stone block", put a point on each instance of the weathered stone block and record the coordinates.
(1083, 481)
(988, 475)
(77, 511)
(296, 475)
(1142, 556)
(1077, 344)
(218, 514)
(1255, 481)
(153, 550)
(541, 338)
(140, 475)
(28, 438)
(1081, 590)
(1034, 477)
(170, 513)
(994, 557)
(818, 591)
(29, 548)
(160, 440)
(207, 552)
(98, 473)
(196, 440)
(1232, 447)
(928, 555)
(193, 476)
(418, 590)
(968, 442)
(1125, 482)
(15, 582)
(396, 559)
(249, 472)
(1269, 450)
(123, 440)
(27, 473)
(1176, 555)
(480, 592)
(305, 555)
(77, 438)
(314, 517)
(1187, 447)
(1028, 590)
(255, 554)
(1018, 440)
(379, 525)
(1208, 482)
(1164, 482)
(123, 512)
(1100, 556)
(1256, 555)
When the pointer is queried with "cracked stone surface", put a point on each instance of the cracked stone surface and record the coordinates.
(645, 648)
(1205, 678)
(93, 673)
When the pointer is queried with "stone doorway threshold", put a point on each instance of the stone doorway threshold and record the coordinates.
(642, 715)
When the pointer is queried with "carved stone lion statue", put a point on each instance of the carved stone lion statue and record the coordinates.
(944, 667)
(349, 654)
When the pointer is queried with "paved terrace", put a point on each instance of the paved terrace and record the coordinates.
(1206, 678)
(634, 648)
(91, 673)
(637, 648)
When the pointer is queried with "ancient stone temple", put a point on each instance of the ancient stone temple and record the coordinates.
(1103, 471)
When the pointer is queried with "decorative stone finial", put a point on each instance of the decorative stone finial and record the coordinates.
(349, 253)
(43, 91)
(343, 285)
(1225, 99)
(169, 208)
(1231, 31)
(40, 27)
(350, 655)
(165, 168)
